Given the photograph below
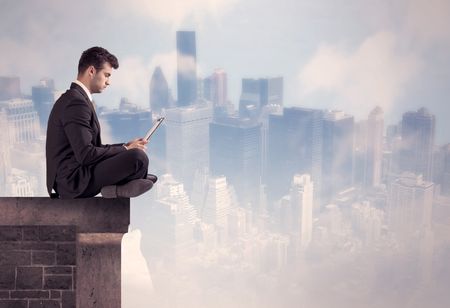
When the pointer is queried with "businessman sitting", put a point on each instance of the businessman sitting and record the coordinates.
(78, 164)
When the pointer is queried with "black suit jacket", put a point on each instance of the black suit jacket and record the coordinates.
(73, 145)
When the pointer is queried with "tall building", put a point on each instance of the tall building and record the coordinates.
(257, 93)
(416, 153)
(215, 88)
(441, 174)
(337, 151)
(128, 122)
(23, 120)
(159, 92)
(374, 148)
(301, 196)
(410, 201)
(294, 146)
(235, 151)
(9, 88)
(43, 96)
(186, 68)
(187, 141)
(5, 158)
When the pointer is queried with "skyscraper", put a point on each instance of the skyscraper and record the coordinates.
(23, 120)
(410, 201)
(187, 137)
(301, 196)
(159, 92)
(235, 151)
(416, 153)
(43, 96)
(374, 148)
(186, 68)
(257, 93)
(337, 151)
(215, 88)
(294, 146)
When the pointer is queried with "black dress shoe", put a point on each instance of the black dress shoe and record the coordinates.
(131, 189)
(152, 178)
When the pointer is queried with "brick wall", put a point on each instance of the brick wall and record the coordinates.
(37, 266)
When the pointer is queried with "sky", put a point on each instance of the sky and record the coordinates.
(349, 55)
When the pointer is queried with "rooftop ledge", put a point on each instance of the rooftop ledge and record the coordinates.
(61, 253)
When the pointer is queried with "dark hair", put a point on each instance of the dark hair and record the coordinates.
(96, 56)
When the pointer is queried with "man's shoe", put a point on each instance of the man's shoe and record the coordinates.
(152, 178)
(131, 189)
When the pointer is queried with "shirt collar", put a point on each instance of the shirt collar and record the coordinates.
(88, 93)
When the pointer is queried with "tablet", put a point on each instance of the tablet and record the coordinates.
(153, 129)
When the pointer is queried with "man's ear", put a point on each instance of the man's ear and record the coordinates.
(91, 71)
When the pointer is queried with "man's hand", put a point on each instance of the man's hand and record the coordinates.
(136, 144)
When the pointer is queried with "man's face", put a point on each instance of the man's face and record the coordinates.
(100, 79)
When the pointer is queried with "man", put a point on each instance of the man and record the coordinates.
(78, 164)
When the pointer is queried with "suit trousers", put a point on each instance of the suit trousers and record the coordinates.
(121, 168)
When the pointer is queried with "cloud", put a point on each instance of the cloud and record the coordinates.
(137, 285)
(175, 12)
(375, 73)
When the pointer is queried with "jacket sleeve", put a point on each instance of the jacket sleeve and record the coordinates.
(76, 122)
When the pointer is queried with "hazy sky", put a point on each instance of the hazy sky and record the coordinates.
(349, 55)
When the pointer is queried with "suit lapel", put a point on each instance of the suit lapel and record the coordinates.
(90, 104)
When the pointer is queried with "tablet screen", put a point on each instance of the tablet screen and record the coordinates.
(153, 129)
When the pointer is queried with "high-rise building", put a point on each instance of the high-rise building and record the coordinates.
(374, 148)
(301, 196)
(215, 88)
(159, 92)
(43, 96)
(5, 158)
(441, 174)
(128, 122)
(294, 146)
(187, 141)
(257, 93)
(337, 151)
(235, 151)
(9, 88)
(23, 120)
(410, 201)
(416, 153)
(186, 68)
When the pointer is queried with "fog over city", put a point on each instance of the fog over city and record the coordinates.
(304, 160)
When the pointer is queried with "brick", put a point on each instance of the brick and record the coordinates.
(57, 233)
(58, 270)
(68, 299)
(66, 254)
(7, 277)
(74, 278)
(29, 278)
(10, 246)
(38, 246)
(30, 294)
(43, 258)
(31, 233)
(55, 294)
(45, 304)
(58, 282)
(12, 257)
(4, 294)
(10, 233)
(11, 303)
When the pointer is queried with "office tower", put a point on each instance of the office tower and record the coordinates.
(441, 174)
(374, 148)
(367, 221)
(43, 96)
(410, 200)
(128, 122)
(159, 92)
(187, 137)
(257, 93)
(416, 153)
(337, 151)
(215, 88)
(23, 120)
(235, 151)
(294, 146)
(5, 158)
(168, 237)
(186, 68)
(9, 88)
(360, 152)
